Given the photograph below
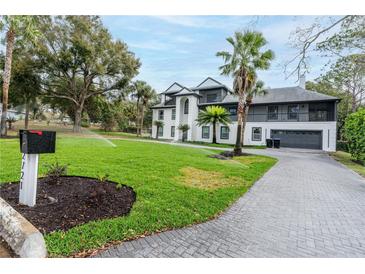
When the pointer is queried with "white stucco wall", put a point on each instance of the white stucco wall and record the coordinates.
(195, 133)
(328, 141)
(168, 122)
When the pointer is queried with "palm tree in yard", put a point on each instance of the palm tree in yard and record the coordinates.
(158, 124)
(242, 63)
(143, 94)
(184, 128)
(258, 89)
(24, 28)
(213, 115)
(148, 95)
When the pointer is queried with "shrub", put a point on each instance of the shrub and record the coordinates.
(355, 134)
(342, 145)
(55, 171)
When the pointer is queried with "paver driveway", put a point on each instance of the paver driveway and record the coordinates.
(307, 205)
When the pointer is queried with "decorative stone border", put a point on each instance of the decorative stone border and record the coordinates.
(25, 240)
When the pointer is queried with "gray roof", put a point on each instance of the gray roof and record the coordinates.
(291, 94)
(283, 95)
(272, 96)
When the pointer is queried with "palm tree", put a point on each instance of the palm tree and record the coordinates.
(242, 64)
(258, 89)
(213, 115)
(184, 128)
(14, 26)
(148, 95)
(143, 94)
(158, 124)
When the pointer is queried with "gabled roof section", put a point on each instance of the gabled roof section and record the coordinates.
(210, 83)
(186, 91)
(175, 87)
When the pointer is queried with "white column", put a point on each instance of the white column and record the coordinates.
(28, 179)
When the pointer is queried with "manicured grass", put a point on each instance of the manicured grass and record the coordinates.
(345, 158)
(155, 171)
(223, 145)
(118, 134)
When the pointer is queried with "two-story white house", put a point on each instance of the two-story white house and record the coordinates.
(299, 117)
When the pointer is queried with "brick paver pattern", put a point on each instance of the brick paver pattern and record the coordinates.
(307, 205)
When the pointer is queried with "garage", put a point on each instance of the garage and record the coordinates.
(298, 138)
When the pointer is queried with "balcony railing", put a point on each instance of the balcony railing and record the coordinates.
(311, 116)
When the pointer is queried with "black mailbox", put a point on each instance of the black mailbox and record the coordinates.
(36, 141)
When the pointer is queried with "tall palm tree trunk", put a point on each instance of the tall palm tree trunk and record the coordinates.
(238, 147)
(26, 118)
(244, 118)
(214, 133)
(142, 118)
(10, 39)
(157, 128)
(138, 120)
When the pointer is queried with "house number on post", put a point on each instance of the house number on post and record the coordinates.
(32, 143)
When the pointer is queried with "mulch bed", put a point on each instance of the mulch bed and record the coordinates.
(227, 155)
(70, 201)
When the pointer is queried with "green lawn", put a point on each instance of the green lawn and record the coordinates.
(165, 199)
(345, 158)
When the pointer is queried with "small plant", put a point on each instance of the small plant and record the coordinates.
(55, 171)
(103, 178)
(184, 128)
(11, 121)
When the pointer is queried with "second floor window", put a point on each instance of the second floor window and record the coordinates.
(293, 111)
(205, 132)
(224, 132)
(272, 112)
(186, 106)
(173, 114)
(212, 98)
(233, 111)
(160, 115)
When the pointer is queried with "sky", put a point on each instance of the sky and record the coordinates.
(182, 48)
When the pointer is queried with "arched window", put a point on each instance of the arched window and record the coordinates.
(186, 106)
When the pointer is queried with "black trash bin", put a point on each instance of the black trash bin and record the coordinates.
(36, 141)
(269, 143)
(276, 142)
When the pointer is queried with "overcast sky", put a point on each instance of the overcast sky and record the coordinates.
(182, 48)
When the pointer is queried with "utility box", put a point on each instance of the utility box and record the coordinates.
(37, 142)
(276, 143)
(269, 143)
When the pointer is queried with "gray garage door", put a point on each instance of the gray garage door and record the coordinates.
(298, 138)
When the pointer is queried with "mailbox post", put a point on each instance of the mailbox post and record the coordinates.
(32, 143)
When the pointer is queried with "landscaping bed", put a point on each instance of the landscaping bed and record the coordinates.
(169, 182)
(69, 201)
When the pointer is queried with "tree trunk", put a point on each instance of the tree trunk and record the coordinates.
(353, 103)
(244, 120)
(142, 118)
(10, 39)
(138, 119)
(238, 147)
(157, 132)
(26, 118)
(77, 122)
(214, 133)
